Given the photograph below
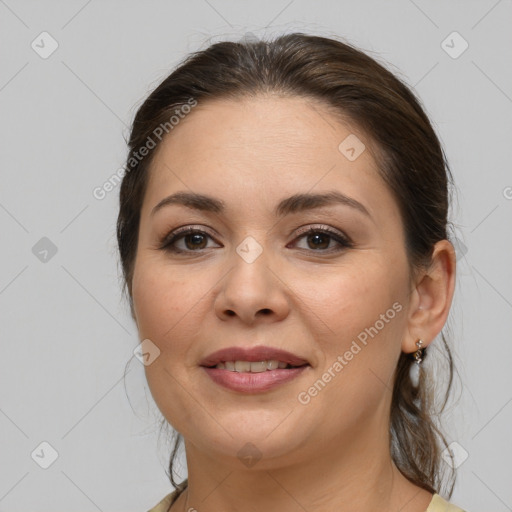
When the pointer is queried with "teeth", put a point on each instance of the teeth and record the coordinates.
(251, 366)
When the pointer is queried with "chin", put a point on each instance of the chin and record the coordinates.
(256, 447)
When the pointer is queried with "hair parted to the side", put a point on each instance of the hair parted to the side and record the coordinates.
(411, 161)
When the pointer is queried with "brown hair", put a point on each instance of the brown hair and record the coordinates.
(411, 161)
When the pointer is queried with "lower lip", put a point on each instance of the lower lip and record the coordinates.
(248, 382)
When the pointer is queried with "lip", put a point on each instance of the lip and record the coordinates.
(253, 382)
(259, 353)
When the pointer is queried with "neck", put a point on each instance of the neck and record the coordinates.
(358, 475)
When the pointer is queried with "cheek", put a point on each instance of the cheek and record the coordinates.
(360, 314)
(358, 355)
(161, 301)
(166, 306)
(346, 300)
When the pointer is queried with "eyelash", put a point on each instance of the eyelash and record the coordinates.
(166, 244)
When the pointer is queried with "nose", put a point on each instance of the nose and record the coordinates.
(252, 291)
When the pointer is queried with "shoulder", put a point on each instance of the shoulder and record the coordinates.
(439, 504)
(164, 504)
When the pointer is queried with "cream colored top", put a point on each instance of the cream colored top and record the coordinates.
(437, 504)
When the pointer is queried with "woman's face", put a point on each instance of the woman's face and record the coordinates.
(252, 276)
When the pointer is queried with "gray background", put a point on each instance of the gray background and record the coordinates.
(66, 334)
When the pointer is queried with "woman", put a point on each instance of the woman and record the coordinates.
(283, 239)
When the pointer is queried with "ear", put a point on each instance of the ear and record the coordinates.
(431, 298)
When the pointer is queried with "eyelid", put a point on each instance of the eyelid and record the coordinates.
(322, 227)
(173, 236)
(184, 230)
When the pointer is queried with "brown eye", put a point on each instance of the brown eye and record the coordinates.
(324, 240)
(319, 240)
(185, 240)
(195, 241)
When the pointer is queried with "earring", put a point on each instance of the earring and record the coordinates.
(419, 353)
(414, 371)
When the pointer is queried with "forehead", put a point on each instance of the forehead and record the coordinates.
(265, 146)
(262, 128)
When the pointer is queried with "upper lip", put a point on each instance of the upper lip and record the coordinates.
(259, 353)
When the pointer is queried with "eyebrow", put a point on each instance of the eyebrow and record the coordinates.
(292, 204)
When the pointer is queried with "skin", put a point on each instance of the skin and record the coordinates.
(331, 454)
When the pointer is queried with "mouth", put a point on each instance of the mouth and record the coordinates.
(252, 370)
(254, 366)
(253, 359)
(254, 376)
